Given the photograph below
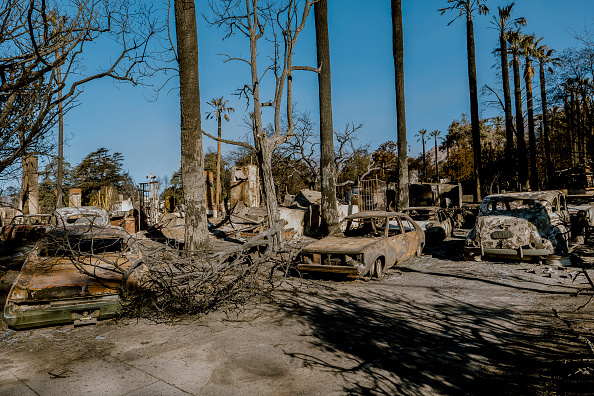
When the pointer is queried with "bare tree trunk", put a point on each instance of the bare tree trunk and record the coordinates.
(398, 53)
(531, 135)
(60, 177)
(327, 166)
(546, 128)
(509, 128)
(192, 159)
(474, 108)
(264, 147)
(520, 140)
(218, 182)
(436, 165)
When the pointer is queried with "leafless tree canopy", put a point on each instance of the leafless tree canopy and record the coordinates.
(42, 44)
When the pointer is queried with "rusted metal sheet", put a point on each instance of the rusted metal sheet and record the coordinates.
(75, 273)
(520, 225)
(364, 243)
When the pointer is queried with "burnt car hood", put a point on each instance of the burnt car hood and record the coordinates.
(340, 245)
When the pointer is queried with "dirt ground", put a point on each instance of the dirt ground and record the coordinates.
(435, 325)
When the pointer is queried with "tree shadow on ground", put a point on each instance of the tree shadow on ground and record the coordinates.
(381, 344)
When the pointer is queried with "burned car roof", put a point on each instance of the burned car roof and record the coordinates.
(100, 215)
(548, 196)
(370, 214)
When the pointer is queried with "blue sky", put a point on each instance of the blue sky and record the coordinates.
(121, 118)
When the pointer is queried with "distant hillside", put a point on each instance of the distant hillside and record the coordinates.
(441, 154)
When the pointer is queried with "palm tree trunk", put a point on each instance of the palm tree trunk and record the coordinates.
(531, 135)
(398, 52)
(520, 141)
(509, 128)
(424, 160)
(436, 169)
(546, 130)
(474, 109)
(218, 182)
(327, 166)
(192, 160)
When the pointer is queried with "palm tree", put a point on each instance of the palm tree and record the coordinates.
(503, 24)
(327, 165)
(435, 135)
(514, 38)
(466, 8)
(192, 159)
(421, 137)
(528, 48)
(398, 53)
(544, 56)
(220, 109)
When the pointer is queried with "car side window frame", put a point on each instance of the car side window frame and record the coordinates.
(412, 225)
(400, 230)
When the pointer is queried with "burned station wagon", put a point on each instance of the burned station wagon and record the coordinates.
(520, 225)
(364, 243)
(75, 273)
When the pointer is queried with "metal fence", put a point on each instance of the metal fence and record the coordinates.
(371, 195)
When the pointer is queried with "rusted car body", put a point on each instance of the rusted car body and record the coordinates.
(74, 274)
(25, 228)
(434, 220)
(520, 225)
(364, 243)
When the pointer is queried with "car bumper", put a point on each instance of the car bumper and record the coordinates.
(77, 311)
(519, 253)
(332, 269)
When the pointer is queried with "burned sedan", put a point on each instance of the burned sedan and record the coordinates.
(520, 225)
(75, 273)
(364, 243)
(25, 228)
(434, 220)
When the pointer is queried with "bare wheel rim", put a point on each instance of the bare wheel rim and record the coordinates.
(378, 268)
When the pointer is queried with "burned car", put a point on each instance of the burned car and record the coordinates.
(434, 220)
(520, 225)
(25, 228)
(364, 243)
(75, 273)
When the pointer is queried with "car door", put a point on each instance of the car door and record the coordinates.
(411, 236)
(397, 245)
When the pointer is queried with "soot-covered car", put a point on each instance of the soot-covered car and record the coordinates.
(75, 272)
(434, 220)
(364, 243)
(25, 228)
(520, 225)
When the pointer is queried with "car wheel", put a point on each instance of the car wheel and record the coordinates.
(377, 270)
(420, 249)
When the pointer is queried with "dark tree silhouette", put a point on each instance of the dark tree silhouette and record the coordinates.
(503, 24)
